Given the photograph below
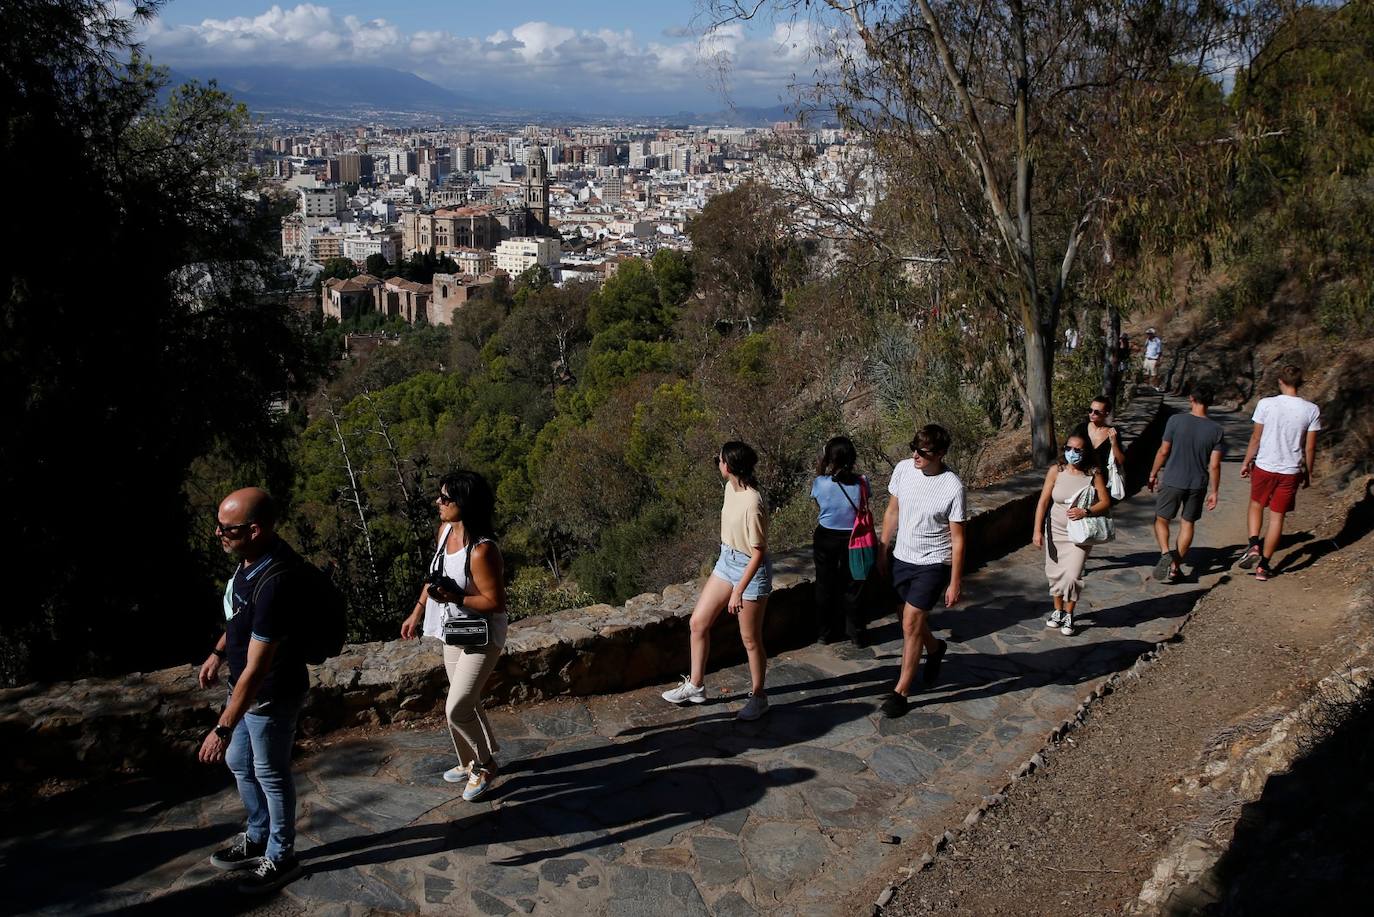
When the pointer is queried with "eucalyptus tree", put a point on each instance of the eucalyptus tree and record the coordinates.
(1011, 137)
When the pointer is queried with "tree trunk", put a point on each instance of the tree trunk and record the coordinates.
(1111, 377)
(1039, 382)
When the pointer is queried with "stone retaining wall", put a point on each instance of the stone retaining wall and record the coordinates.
(152, 722)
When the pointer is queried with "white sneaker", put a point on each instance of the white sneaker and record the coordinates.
(1056, 618)
(1067, 629)
(756, 707)
(457, 774)
(478, 782)
(686, 693)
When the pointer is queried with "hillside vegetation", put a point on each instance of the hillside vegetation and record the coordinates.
(129, 409)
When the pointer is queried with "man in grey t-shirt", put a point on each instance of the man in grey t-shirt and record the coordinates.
(1190, 457)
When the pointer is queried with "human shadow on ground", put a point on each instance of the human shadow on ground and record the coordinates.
(594, 798)
(1359, 522)
(46, 837)
(38, 875)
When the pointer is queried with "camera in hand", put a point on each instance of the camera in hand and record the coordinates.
(439, 580)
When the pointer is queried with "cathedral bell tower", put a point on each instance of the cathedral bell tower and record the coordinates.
(537, 190)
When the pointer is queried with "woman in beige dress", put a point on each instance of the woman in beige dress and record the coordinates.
(1064, 560)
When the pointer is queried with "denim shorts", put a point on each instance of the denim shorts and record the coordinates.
(731, 566)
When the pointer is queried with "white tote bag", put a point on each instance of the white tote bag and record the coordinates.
(1116, 482)
(1090, 529)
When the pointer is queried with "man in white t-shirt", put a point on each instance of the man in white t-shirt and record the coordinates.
(1278, 461)
(1153, 348)
(926, 513)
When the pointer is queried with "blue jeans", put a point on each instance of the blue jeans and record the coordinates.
(259, 756)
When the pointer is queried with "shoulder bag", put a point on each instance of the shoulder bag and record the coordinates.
(862, 542)
(1090, 529)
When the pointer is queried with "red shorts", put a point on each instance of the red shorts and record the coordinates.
(1279, 492)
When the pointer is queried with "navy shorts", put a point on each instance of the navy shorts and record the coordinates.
(920, 585)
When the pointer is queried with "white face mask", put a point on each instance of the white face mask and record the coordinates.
(1073, 456)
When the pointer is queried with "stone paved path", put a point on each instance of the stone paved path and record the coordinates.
(623, 805)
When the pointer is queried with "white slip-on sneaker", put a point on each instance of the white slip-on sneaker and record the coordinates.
(685, 693)
(755, 707)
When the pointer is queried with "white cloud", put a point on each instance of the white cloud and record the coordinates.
(531, 56)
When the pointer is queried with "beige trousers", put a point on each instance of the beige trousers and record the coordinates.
(468, 669)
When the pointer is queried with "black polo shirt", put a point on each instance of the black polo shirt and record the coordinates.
(261, 604)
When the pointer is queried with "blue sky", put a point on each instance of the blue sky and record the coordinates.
(601, 56)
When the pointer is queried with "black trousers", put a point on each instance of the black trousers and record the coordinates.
(837, 595)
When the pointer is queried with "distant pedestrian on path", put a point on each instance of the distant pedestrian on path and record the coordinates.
(1278, 461)
(925, 515)
(463, 603)
(264, 610)
(740, 583)
(839, 491)
(1065, 482)
(1190, 457)
(1154, 348)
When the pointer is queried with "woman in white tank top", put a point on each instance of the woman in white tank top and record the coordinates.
(466, 504)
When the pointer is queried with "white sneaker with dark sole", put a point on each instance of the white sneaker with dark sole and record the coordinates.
(686, 693)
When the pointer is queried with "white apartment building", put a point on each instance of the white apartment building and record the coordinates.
(358, 246)
(514, 256)
(322, 203)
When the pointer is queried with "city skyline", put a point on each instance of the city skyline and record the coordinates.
(601, 57)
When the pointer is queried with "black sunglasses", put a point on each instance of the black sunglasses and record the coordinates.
(1094, 412)
(925, 453)
(224, 528)
(445, 498)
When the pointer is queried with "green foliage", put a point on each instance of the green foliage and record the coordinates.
(534, 591)
(376, 265)
(338, 268)
(615, 569)
(116, 356)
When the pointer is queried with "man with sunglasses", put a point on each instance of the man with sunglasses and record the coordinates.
(925, 513)
(268, 680)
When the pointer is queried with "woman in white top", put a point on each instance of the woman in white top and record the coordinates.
(466, 504)
(740, 583)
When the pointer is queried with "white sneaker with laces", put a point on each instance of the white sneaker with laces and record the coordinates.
(685, 693)
(478, 781)
(459, 774)
(1067, 629)
(756, 707)
(1056, 618)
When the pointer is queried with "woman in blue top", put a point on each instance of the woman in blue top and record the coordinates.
(836, 491)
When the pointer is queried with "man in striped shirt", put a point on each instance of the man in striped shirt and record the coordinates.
(925, 513)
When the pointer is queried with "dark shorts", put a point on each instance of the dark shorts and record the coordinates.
(1278, 492)
(920, 585)
(1170, 500)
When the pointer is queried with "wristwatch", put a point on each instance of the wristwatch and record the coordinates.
(224, 732)
(218, 652)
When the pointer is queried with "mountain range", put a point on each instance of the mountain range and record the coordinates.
(335, 94)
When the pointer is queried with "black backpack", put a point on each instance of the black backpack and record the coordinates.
(323, 619)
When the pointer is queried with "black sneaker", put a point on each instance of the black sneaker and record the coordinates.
(861, 639)
(894, 706)
(270, 875)
(933, 660)
(241, 854)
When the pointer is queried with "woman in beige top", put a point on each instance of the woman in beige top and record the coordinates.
(740, 583)
(1076, 471)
